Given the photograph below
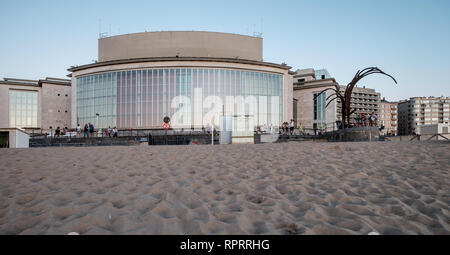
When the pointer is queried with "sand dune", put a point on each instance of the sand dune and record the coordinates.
(288, 188)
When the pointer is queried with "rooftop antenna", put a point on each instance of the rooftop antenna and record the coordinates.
(262, 31)
(100, 34)
(256, 33)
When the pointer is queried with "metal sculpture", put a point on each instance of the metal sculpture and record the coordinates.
(347, 96)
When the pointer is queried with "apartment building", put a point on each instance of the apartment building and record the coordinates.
(365, 100)
(388, 117)
(419, 111)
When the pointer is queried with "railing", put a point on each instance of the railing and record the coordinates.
(100, 133)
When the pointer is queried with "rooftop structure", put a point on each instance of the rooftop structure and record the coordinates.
(180, 44)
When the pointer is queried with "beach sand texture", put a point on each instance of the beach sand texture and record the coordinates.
(286, 188)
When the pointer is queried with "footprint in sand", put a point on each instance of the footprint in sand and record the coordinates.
(119, 203)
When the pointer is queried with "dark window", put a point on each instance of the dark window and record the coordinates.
(301, 80)
(66, 95)
(66, 111)
(58, 94)
(323, 76)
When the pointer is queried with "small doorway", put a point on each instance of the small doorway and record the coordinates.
(4, 139)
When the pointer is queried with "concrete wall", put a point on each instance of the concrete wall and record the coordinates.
(73, 103)
(433, 129)
(22, 139)
(56, 106)
(4, 106)
(354, 134)
(180, 43)
(288, 97)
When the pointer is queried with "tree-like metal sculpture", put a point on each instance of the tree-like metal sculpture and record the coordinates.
(347, 96)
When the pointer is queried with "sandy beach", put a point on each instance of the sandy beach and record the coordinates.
(285, 188)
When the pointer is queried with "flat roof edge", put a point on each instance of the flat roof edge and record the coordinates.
(168, 59)
(182, 31)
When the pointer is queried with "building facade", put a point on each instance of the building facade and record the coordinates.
(312, 110)
(388, 117)
(191, 77)
(365, 100)
(35, 104)
(419, 111)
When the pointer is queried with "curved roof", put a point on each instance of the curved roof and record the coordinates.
(180, 43)
(137, 60)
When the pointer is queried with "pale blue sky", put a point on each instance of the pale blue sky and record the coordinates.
(409, 39)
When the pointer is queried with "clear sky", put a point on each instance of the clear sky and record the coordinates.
(409, 39)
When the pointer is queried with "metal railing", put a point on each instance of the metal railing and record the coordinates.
(102, 133)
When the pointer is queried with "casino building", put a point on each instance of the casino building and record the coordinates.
(141, 78)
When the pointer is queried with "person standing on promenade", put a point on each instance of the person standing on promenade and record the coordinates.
(357, 120)
(86, 131)
(371, 119)
(300, 128)
(291, 126)
(115, 131)
(91, 129)
(57, 132)
(78, 130)
(109, 131)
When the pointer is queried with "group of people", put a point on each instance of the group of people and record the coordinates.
(88, 131)
(61, 132)
(285, 129)
(363, 121)
(288, 127)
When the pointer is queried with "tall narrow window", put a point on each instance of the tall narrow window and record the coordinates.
(319, 110)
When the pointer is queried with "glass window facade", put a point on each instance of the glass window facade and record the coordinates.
(23, 108)
(141, 98)
(320, 110)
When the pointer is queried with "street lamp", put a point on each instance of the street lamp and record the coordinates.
(98, 115)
